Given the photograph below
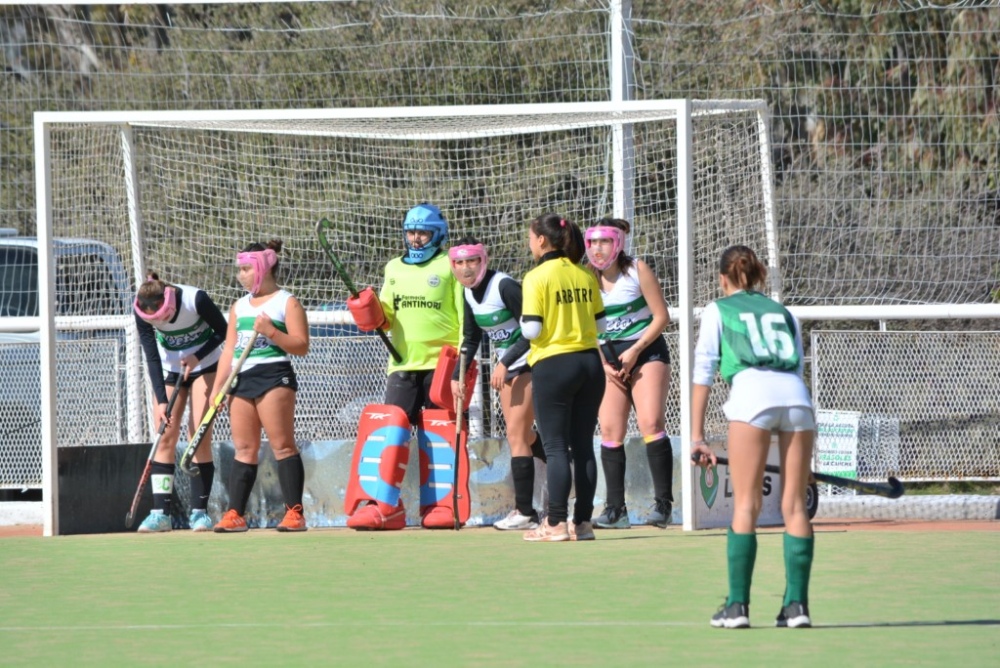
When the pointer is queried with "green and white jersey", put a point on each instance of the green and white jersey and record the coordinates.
(756, 345)
(757, 332)
(626, 312)
(423, 303)
(265, 351)
(496, 320)
(185, 335)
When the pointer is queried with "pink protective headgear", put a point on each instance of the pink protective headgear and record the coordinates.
(617, 237)
(261, 261)
(164, 313)
(465, 253)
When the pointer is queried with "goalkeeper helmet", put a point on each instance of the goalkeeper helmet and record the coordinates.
(428, 218)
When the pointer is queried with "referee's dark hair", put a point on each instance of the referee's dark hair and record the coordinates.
(563, 234)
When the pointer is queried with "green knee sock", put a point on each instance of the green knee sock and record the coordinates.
(798, 565)
(741, 553)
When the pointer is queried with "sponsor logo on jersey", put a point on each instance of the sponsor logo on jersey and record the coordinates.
(433, 280)
(405, 301)
(498, 335)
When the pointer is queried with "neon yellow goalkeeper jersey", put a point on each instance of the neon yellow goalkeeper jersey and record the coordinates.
(423, 303)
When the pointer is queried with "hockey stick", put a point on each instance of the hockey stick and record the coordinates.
(144, 478)
(321, 230)
(893, 489)
(458, 441)
(616, 364)
(187, 459)
(609, 355)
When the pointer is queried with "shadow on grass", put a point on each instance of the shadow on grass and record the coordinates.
(879, 625)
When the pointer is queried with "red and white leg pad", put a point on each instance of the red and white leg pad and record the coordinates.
(381, 454)
(440, 390)
(436, 440)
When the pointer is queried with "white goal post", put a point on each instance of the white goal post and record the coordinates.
(179, 192)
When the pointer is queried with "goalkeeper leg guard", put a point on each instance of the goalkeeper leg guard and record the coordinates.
(437, 439)
(381, 455)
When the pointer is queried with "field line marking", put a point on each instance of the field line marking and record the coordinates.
(252, 625)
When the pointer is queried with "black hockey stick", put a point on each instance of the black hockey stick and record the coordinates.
(187, 459)
(130, 517)
(612, 358)
(321, 230)
(893, 489)
(609, 355)
(458, 440)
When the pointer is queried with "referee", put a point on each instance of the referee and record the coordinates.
(561, 316)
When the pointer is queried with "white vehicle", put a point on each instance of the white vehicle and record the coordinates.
(90, 279)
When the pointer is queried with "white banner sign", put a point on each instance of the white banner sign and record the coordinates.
(837, 443)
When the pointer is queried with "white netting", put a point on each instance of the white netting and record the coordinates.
(205, 193)
(929, 400)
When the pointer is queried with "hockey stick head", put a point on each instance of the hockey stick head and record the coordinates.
(895, 488)
(323, 228)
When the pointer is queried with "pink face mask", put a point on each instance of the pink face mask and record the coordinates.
(456, 253)
(262, 262)
(166, 311)
(617, 238)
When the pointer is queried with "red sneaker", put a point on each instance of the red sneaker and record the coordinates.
(231, 522)
(294, 521)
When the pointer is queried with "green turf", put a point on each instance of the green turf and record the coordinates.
(486, 598)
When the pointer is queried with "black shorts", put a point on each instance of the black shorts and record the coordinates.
(257, 381)
(657, 351)
(411, 391)
(172, 376)
(511, 375)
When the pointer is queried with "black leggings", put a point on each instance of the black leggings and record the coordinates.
(567, 391)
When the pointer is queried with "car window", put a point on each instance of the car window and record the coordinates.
(84, 286)
(18, 282)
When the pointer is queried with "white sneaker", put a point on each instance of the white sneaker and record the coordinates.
(515, 521)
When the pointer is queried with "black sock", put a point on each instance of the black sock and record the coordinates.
(613, 462)
(161, 480)
(201, 485)
(661, 468)
(292, 478)
(241, 480)
(537, 450)
(523, 471)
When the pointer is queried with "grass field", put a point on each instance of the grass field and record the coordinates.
(640, 597)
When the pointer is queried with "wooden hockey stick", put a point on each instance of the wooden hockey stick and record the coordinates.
(187, 459)
(130, 517)
(458, 441)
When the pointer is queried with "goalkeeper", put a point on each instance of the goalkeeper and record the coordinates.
(420, 304)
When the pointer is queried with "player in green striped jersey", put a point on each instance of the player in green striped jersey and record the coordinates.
(756, 345)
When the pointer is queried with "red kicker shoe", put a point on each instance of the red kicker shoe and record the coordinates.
(370, 518)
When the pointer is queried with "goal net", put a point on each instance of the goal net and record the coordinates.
(180, 193)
